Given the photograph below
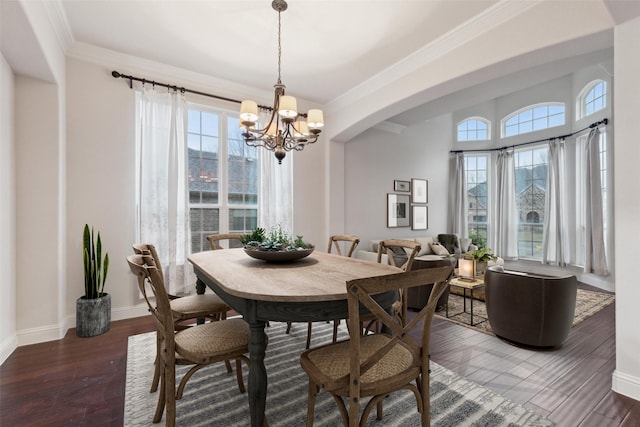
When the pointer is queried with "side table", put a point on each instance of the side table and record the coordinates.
(466, 285)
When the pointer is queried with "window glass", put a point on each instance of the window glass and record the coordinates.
(531, 190)
(533, 118)
(223, 175)
(474, 129)
(593, 98)
(476, 173)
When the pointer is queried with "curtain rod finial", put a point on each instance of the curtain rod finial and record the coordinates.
(115, 74)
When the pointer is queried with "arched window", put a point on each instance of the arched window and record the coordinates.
(592, 98)
(533, 217)
(474, 129)
(533, 118)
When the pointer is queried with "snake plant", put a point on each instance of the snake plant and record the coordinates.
(95, 267)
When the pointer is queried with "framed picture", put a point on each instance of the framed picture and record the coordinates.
(401, 185)
(397, 210)
(419, 191)
(420, 218)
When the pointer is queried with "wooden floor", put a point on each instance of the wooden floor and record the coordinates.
(80, 381)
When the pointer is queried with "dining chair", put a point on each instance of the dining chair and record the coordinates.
(185, 309)
(233, 240)
(401, 254)
(334, 242)
(199, 345)
(375, 365)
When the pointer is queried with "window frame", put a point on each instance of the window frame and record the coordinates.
(532, 107)
(540, 224)
(223, 205)
(476, 225)
(476, 119)
(581, 99)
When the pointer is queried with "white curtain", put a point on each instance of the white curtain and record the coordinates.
(275, 199)
(458, 196)
(556, 239)
(595, 254)
(162, 189)
(506, 216)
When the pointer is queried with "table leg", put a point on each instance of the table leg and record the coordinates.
(200, 288)
(471, 303)
(257, 373)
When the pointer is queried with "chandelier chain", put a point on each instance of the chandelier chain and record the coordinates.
(279, 48)
(287, 129)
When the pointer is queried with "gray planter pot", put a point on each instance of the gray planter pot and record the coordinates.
(93, 316)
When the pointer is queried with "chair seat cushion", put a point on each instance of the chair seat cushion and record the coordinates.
(213, 339)
(333, 360)
(193, 305)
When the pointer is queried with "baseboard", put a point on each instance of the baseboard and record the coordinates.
(626, 384)
(7, 347)
(56, 332)
(41, 334)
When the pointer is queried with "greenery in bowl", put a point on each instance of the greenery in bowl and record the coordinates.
(481, 255)
(275, 240)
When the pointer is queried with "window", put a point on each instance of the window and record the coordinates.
(533, 118)
(531, 190)
(591, 99)
(474, 129)
(476, 172)
(223, 177)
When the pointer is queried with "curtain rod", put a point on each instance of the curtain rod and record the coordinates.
(118, 75)
(506, 147)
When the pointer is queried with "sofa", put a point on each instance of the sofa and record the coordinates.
(530, 309)
(433, 248)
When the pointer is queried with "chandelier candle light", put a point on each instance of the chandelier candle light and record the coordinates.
(287, 128)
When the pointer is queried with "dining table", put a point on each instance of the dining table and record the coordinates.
(305, 290)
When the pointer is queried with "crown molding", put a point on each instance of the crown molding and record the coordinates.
(58, 19)
(132, 65)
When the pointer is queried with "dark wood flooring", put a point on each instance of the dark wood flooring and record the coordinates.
(80, 381)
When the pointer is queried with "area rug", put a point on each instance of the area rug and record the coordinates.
(212, 398)
(587, 304)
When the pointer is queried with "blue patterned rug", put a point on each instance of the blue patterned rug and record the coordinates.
(212, 398)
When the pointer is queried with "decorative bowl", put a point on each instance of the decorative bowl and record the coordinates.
(277, 256)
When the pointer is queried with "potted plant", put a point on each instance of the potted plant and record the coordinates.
(93, 309)
(481, 257)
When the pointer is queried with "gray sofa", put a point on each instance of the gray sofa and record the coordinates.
(455, 246)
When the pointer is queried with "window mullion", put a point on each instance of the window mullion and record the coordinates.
(223, 164)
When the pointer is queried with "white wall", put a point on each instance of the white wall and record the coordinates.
(37, 207)
(8, 339)
(101, 176)
(626, 378)
(375, 158)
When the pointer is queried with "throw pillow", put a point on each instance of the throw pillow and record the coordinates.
(425, 245)
(438, 249)
(464, 245)
(450, 241)
(398, 251)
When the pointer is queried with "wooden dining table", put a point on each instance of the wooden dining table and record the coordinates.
(305, 290)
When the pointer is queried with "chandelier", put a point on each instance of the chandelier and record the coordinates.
(287, 129)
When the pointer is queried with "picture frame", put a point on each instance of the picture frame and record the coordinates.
(419, 190)
(419, 218)
(398, 210)
(399, 185)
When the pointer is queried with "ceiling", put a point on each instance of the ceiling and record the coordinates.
(329, 47)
